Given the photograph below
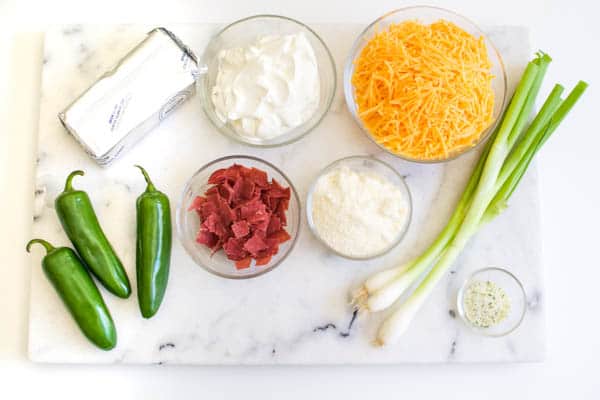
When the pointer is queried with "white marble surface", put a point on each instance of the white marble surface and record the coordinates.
(296, 314)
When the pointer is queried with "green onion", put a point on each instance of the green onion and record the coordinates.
(502, 164)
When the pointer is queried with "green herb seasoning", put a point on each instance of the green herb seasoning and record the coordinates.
(486, 304)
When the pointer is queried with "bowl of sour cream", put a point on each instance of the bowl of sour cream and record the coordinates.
(268, 81)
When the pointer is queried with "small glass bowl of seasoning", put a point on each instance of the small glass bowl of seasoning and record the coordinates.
(492, 302)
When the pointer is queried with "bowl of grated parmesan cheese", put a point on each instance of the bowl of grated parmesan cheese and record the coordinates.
(359, 207)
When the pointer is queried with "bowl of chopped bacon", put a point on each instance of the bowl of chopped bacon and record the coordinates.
(425, 84)
(238, 217)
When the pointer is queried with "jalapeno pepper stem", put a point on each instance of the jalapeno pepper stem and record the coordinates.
(68, 184)
(44, 243)
(150, 187)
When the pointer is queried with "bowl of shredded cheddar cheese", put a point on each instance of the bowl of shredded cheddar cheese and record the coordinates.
(425, 84)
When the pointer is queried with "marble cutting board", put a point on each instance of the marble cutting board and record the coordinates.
(298, 313)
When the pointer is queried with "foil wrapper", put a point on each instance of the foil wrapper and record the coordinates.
(136, 95)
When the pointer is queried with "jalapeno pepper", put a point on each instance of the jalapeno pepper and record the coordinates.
(153, 252)
(81, 225)
(80, 295)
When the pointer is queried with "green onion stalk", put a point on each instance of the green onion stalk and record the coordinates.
(503, 162)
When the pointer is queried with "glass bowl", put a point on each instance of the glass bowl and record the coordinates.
(245, 32)
(427, 15)
(362, 164)
(515, 292)
(188, 222)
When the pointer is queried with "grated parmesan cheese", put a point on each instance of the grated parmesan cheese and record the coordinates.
(358, 214)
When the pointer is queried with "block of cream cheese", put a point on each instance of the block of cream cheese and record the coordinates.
(133, 97)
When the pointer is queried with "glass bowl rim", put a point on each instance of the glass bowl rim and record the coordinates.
(349, 97)
(205, 99)
(181, 207)
(330, 167)
(471, 278)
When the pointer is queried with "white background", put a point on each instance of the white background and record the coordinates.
(570, 192)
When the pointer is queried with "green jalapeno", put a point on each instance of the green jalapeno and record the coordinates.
(153, 253)
(81, 225)
(80, 295)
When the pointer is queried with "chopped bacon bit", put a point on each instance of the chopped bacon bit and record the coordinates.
(207, 238)
(281, 236)
(243, 263)
(274, 225)
(196, 203)
(244, 214)
(256, 244)
(263, 260)
(240, 228)
(234, 248)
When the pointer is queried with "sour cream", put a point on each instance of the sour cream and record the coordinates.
(268, 88)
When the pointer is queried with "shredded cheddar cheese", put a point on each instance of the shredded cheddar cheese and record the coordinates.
(424, 91)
